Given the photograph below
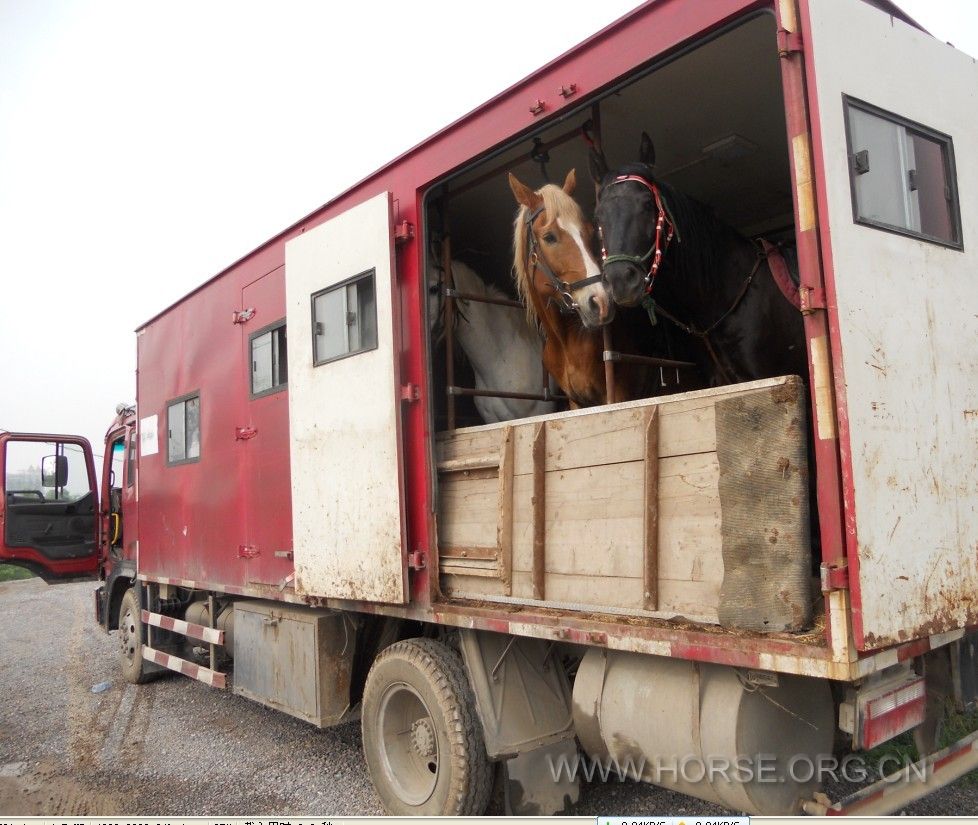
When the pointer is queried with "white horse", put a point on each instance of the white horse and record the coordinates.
(505, 352)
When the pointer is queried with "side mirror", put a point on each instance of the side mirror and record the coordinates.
(54, 471)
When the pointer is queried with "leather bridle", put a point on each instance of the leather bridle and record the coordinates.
(664, 231)
(565, 290)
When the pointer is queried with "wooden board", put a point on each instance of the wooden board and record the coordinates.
(614, 508)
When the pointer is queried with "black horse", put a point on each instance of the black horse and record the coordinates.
(671, 253)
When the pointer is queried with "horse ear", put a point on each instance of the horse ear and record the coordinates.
(524, 195)
(646, 150)
(597, 165)
(570, 182)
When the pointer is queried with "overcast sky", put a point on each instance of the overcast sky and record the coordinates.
(144, 146)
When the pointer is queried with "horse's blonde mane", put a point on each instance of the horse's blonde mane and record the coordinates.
(556, 204)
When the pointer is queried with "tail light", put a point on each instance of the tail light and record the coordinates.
(875, 713)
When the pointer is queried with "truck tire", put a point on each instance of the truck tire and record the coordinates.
(422, 738)
(130, 644)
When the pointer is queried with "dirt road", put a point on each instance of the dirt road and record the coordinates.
(174, 747)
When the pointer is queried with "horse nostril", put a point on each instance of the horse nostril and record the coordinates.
(593, 305)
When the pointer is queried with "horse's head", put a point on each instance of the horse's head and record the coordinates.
(633, 225)
(552, 242)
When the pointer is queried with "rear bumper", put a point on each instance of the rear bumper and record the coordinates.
(899, 789)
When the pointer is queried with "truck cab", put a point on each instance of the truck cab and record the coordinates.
(57, 521)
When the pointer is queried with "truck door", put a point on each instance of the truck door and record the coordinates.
(118, 510)
(265, 490)
(897, 176)
(344, 416)
(48, 505)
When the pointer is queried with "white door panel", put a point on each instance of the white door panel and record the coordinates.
(343, 408)
(907, 314)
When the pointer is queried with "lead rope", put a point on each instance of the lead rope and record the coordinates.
(648, 302)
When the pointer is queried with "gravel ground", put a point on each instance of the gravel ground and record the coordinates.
(175, 747)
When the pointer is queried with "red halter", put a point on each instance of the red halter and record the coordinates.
(663, 225)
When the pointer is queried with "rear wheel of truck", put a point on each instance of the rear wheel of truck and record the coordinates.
(131, 646)
(421, 736)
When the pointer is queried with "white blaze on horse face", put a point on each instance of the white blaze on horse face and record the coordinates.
(591, 267)
(593, 301)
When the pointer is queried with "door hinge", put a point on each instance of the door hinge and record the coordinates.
(788, 42)
(410, 393)
(811, 298)
(242, 316)
(416, 560)
(835, 576)
(248, 551)
(403, 232)
(244, 433)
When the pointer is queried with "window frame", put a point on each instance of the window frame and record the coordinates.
(367, 273)
(169, 404)
(132, 456)
(947, 150)
(252, 395)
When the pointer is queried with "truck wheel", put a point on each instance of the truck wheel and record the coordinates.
(131, 648)
(421, 737)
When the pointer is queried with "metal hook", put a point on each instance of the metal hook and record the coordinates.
(540, 154)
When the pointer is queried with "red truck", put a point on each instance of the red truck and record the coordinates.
(291, 496)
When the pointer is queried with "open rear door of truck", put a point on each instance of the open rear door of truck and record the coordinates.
(895, 143)
(48, 505)
(344, 416)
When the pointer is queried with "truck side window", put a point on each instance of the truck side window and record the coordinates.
(32, 474)
(902, 175)
(269, 360)
(183, 429)
(344, 319)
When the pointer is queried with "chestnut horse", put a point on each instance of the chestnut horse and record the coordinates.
(560, 283)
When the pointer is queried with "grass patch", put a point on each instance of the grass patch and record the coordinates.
(954, 726)
(9, 573)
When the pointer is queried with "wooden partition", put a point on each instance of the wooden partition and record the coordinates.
(611, 509)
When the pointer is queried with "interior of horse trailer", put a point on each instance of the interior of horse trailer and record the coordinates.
(654, 508)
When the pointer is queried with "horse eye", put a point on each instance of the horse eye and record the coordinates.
(434, 289)
(550, 238)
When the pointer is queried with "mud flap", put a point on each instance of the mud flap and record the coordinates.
(522, 694)
(542, 782)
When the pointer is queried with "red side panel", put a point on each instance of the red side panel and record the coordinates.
(221, 518)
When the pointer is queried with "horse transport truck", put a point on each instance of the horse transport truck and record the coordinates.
(304, 506)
